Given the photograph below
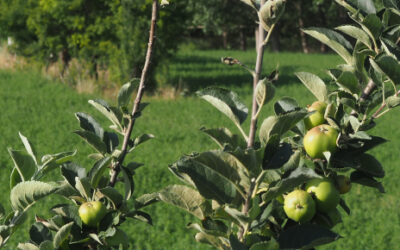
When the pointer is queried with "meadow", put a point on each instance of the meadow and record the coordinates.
(43, 110)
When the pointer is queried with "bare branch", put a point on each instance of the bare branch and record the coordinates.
(116, 168)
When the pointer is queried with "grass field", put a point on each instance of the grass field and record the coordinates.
(43, 111)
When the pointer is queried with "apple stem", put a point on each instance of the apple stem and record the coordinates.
(117, 165)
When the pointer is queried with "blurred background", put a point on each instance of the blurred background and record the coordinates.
(104, 41)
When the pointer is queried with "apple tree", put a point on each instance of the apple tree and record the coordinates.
(284, 188)
(93, 207)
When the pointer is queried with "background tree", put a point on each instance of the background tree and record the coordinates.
(227, 19)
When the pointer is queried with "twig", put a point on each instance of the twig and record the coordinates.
(378, 113)
(256, 78)
(117, 166)
(253, 125)
(366, 92)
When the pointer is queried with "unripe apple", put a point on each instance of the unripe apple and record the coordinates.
(343, 184)
(92, 212)
(299, 206)
(320, 139)
(317, 118)
(325, 194)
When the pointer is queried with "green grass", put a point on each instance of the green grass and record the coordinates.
(43, 111)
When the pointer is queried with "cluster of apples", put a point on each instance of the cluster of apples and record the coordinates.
(320, 194)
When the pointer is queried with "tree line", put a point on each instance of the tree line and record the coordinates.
(112, 34)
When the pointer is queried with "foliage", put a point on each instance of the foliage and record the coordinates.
(102, 208)
(235, 191)
(101, 34)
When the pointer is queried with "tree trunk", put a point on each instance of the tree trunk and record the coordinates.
(243, 43)
(275, 43)
(304, 44)
(324, 23)
(225, 39)
(65, 58)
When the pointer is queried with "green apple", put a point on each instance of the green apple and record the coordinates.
(343, 184)
(299, 206)
(320, 139)
(325, 194)
(92, 212)
(317, 118)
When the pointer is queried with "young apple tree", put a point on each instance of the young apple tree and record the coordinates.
(283, 189)
(93, 208)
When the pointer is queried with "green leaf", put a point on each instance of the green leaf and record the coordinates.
(237, 216)
(265, 92)
(83, 186)
(214, 227)
(39, 233)
(275, 158)
(58, 158)
(46, 245)
(24, 164)
(334, 40)
(128, 183)
(295, 179)
(271, 244)
(208, 239)
(371, 166)
(111, 141)
(27, 246)
(93, 140)
(28, 146)
(227, 165)
(356, 33)
(125, 93)
(250, 158)
(227, 102)
(97, 171)
(235, 243)
(271, 12)
(363, 179)
(96, 238)
(62, 235)
(146, 199)
(224, 136)
(112, 195)
(25, 194)
(344, 206)
(392, 101)
(110, 114)
(71, 170)
(390, 67)
(391, 4)
(185, 198)
(119, 238)
(305, 237)
(88, 123)
(349, 82)
(15, 178)
(280, 124)
(372, 24)
(286, 105)
(68, 211)
(314, 84)
(142, 138)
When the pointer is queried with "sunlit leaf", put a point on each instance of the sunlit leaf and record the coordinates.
(25, 194)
